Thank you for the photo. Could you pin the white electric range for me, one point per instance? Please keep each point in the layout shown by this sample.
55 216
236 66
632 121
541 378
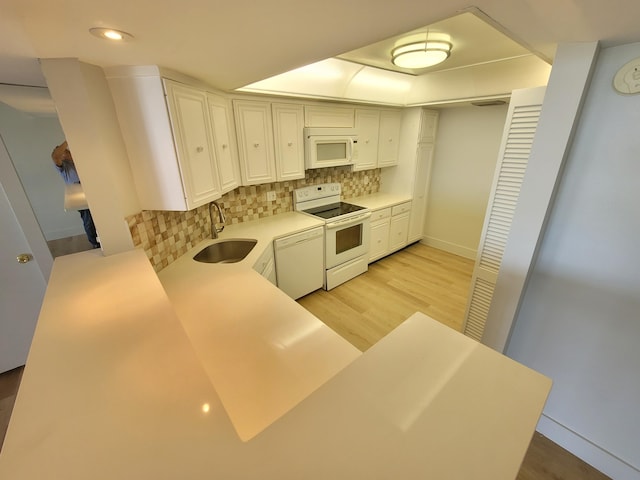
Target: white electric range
346 250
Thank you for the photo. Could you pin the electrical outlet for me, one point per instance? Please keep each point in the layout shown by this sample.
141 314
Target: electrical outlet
271 196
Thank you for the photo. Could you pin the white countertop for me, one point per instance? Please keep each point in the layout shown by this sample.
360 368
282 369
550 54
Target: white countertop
376 201
263 352
118 384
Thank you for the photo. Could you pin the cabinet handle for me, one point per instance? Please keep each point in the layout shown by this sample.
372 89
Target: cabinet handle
224 145
256 145
199 149
290 144
390 140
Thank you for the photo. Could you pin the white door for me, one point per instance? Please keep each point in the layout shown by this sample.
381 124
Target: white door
520 128
22 285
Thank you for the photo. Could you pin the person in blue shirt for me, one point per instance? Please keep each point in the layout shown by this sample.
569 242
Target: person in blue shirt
64 164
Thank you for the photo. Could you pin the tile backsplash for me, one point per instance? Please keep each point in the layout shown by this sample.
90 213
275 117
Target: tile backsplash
165 236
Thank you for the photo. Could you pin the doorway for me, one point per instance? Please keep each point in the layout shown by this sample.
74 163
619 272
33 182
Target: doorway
30 129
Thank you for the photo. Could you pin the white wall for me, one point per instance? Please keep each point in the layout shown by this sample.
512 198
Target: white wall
88 117
579 320
466 152
30 140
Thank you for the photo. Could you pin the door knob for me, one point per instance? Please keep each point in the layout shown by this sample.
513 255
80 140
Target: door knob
24 257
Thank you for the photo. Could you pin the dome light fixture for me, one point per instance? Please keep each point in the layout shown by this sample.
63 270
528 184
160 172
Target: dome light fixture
110 34
421 54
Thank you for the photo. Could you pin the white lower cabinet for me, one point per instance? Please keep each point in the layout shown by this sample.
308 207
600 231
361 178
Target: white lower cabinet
398 231
389 230
379 239
266 265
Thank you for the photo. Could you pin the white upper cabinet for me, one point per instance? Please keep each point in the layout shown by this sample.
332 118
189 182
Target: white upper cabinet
224 141
255 141
189 115
328 116
288 124
367 126
389 137
270 141
168 139
428 126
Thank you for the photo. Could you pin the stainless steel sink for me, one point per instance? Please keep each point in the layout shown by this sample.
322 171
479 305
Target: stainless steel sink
226 251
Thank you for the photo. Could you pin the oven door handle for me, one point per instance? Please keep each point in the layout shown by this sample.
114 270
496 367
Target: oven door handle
348 221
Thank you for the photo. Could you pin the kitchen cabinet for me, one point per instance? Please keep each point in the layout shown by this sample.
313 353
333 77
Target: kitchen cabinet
367 126
167 130
254 129
288 125
389 138
191 131
399 226
328 116
428 126
379 238
270 141
389 230
424 162
266 266
224 141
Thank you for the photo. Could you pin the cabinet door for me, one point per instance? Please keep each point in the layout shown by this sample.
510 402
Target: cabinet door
325 116
224 142
398 231
288 124
255 141
379 241
190 122
428 126
389 138
420 191
367 125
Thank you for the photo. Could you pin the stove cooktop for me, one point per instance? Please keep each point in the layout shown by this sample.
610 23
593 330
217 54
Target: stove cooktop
334 210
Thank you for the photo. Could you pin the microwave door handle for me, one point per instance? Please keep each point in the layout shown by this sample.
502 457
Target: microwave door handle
348 222
350 154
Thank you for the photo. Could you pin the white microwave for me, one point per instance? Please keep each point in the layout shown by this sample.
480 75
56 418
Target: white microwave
329 147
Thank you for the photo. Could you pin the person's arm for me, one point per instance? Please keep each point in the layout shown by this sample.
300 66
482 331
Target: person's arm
60 154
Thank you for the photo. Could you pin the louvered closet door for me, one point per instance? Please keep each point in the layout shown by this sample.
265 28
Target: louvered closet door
520 128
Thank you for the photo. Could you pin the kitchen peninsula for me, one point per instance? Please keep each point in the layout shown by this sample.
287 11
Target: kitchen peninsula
119 384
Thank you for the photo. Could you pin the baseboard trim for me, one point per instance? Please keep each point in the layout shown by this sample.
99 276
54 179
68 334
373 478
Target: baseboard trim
587 451
450 247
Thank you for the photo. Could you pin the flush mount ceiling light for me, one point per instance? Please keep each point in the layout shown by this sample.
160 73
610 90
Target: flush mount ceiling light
110 34
421 54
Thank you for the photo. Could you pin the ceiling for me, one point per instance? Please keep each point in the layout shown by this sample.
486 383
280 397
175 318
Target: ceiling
232 44
474 41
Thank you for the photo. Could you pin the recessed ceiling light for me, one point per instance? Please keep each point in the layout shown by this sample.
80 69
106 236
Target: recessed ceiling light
110 34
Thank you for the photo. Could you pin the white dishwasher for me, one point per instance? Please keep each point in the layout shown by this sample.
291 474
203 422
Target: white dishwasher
300 262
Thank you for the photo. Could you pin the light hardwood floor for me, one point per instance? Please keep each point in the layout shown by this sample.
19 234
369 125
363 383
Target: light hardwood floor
421 278
418 278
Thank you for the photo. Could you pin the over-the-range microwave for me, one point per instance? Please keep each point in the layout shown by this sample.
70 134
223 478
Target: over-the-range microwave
329 147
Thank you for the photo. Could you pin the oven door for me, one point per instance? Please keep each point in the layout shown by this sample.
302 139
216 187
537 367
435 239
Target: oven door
347 239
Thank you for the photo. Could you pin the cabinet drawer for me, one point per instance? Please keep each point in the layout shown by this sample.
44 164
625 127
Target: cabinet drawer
380 214
402 208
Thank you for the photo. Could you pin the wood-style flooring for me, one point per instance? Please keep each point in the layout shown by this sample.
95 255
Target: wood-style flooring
418 278
422 278
68 245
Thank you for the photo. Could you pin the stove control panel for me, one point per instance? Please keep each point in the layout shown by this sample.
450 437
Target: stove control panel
316 192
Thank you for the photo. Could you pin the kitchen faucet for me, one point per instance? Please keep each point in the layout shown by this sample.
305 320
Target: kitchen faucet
214 230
